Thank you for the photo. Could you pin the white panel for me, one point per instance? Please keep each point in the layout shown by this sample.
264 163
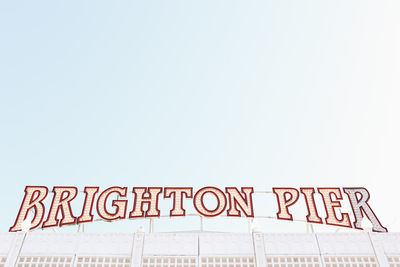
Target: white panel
3 261
169 261
45 261
15 248
290 244
170 244
137 250
6 240
226 244
102 261
345 244
105 244
49 244
293 261
390 242
350 261
227 261
259 250
394 261
379 251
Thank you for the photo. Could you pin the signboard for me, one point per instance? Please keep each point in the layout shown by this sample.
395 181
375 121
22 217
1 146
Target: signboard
232 201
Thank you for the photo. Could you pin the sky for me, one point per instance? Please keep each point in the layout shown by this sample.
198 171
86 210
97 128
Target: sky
200 93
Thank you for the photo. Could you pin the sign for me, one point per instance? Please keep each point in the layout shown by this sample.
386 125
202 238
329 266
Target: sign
231 201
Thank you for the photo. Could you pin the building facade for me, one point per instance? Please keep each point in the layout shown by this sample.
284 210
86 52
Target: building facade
203 249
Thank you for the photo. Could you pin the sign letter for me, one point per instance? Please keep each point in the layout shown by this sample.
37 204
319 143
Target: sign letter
178 194
34 196
360 205
120 205
152 202
312 215
61 202
199 204
284 203
331 205
87 215
236 199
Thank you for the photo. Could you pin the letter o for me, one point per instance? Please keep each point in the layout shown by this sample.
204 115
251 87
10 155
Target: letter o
199 204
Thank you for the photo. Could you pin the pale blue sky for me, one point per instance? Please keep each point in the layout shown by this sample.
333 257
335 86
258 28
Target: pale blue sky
194 93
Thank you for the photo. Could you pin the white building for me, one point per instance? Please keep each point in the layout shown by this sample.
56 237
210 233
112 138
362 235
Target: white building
41 249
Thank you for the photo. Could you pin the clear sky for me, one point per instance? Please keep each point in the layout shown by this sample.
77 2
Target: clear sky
195 93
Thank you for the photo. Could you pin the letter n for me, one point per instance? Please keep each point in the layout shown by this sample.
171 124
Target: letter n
236 199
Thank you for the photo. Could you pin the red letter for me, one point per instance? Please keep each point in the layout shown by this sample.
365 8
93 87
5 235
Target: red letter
152 202
360 205
63 202
330 206
199 204
312 216
284 203
236 199
178 194
86 215
31 201
120 205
